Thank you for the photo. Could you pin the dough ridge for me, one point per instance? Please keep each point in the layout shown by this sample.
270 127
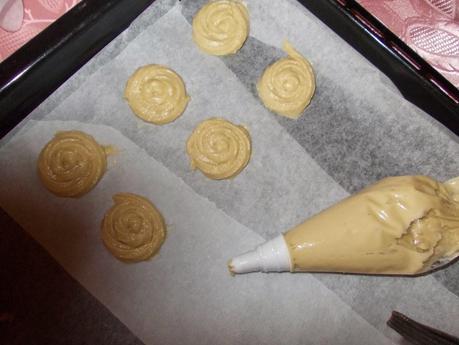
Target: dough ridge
221 27
156 94
71 164
288 85
133 229
219 149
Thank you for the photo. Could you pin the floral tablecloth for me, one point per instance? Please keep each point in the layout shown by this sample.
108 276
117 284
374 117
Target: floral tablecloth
430 27
21 20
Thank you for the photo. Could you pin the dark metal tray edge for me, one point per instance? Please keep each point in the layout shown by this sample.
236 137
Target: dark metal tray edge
58 52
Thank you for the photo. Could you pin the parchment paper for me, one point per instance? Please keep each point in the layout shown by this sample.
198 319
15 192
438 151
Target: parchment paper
357 130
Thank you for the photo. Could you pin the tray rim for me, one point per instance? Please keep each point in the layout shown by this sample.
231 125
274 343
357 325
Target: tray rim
37 69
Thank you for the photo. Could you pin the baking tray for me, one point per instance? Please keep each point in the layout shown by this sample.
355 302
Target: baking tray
347 138
32 73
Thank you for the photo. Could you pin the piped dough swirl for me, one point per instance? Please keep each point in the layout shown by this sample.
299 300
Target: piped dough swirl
156 94
287 86
133 229
71 164
219 149
221 27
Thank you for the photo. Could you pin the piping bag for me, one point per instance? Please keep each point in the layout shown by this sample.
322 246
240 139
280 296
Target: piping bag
404 225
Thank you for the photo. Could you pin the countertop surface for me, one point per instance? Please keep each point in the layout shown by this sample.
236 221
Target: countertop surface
41 304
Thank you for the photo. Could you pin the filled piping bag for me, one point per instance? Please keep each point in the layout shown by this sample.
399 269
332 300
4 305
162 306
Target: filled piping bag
403 225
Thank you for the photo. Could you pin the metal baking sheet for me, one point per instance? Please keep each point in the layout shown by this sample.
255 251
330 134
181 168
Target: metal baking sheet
358 129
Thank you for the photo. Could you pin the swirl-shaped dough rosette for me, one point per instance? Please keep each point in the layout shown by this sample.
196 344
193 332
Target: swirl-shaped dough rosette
133 229
156 94
221 27
219 148
287 86
71 164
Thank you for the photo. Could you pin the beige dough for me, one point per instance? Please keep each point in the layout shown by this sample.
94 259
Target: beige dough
156 94
221 27
402 225
71 164
219 148
133 229
399 225
287 86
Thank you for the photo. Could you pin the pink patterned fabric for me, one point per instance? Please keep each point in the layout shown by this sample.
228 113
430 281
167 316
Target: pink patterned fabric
21 20
430 27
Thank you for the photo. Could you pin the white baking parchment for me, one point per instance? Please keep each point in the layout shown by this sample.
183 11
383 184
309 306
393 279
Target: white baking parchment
357 130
